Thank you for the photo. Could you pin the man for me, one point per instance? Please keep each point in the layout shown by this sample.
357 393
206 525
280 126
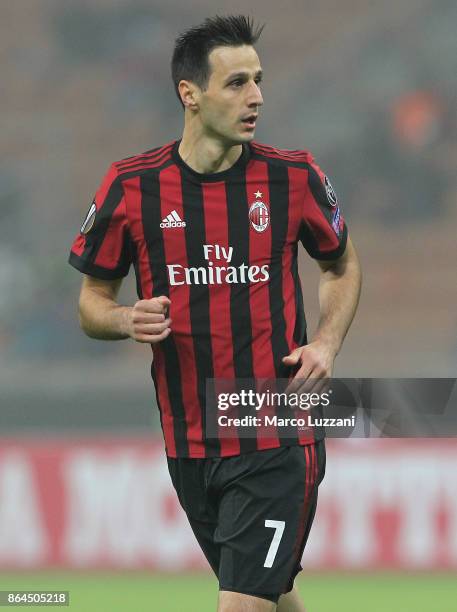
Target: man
211 224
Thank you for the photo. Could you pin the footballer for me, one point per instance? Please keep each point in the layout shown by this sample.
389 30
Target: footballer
211 223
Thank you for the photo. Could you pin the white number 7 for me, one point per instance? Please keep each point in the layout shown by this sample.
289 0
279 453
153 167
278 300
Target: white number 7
278 526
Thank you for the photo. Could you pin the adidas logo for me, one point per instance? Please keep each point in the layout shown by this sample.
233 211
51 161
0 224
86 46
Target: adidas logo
173 220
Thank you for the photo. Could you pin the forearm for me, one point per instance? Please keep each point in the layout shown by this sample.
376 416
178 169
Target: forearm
339 292
102 318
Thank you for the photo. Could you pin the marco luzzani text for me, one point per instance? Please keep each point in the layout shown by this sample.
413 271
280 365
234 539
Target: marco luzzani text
263 403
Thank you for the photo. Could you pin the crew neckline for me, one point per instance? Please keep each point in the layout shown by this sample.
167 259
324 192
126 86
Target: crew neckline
211 177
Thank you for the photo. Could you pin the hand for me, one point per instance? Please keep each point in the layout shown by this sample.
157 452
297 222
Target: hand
148 322
316 366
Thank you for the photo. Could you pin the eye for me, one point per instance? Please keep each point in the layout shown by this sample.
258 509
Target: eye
237 83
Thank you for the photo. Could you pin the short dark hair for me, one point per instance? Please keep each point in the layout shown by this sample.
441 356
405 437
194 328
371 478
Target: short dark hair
192 47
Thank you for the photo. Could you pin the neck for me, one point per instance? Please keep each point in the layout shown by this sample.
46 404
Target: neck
206 154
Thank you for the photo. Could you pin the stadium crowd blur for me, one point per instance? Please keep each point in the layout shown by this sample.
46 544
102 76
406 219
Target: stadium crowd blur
369 88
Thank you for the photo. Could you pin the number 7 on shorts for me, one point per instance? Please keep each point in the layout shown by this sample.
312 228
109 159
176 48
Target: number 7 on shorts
278 526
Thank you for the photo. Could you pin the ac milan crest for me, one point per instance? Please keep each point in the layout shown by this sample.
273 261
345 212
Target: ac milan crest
259 216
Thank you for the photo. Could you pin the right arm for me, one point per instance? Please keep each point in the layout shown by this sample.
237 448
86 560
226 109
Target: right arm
103 318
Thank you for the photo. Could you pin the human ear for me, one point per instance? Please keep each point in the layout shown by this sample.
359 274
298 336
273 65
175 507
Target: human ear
189 94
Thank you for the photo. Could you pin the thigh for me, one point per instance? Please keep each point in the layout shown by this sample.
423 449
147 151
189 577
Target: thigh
230 601
266 506
190 482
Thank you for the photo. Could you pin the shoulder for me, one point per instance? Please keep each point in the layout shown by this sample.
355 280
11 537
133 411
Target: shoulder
288 157
136 165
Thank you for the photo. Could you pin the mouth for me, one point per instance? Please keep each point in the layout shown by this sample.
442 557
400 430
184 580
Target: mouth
250 120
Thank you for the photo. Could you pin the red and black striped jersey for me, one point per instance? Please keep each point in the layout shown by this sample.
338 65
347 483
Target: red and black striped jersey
223 248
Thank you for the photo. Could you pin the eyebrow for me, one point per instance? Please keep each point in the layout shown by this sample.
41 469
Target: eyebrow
242 75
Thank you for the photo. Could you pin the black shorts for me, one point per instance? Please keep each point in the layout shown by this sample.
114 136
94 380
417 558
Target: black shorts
252 513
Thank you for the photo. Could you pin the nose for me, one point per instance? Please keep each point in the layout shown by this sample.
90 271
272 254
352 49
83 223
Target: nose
255 95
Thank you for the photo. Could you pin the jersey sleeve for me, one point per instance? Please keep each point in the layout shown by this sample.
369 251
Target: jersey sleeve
103 246
323 231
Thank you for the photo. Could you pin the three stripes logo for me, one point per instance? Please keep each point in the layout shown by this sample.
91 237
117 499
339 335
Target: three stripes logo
173 220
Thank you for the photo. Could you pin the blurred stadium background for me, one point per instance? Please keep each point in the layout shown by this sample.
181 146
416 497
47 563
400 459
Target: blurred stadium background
85 502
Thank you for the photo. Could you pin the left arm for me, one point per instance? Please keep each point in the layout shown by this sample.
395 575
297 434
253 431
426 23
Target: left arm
339 292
